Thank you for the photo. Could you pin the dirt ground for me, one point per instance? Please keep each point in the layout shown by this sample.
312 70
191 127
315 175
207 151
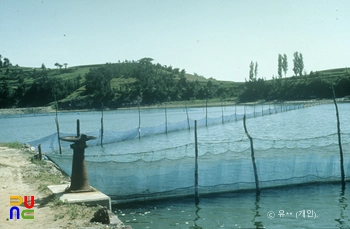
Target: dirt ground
20 176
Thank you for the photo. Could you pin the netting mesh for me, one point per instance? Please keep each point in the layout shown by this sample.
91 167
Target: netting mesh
50 143
168 170
224 166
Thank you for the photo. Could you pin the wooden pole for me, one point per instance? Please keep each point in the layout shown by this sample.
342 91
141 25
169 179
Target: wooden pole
102 126
166 121
40 154
196 195
222 113
188 119
206 112
139 122
236 112
253 157
58 131
339 142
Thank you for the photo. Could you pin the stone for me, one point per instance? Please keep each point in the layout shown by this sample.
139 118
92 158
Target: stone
101 216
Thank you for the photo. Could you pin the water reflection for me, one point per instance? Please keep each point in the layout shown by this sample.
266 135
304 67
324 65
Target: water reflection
257 224
343 203
246 209
195 226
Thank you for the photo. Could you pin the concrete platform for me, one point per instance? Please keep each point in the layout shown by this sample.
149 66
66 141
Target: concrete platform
89 198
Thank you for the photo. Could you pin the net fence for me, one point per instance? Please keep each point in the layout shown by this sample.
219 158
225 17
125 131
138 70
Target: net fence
106 136
224 165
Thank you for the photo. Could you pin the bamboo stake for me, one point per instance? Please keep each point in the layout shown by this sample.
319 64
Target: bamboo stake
40 154
236 112
102 127
166 121
139 122
222 113
58 131
253 157
196 195
339 142
188 119
206 112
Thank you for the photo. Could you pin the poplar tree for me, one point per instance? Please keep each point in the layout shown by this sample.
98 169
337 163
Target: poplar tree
295 63
256 70
251 72
298 62
279 67
285 64
301 64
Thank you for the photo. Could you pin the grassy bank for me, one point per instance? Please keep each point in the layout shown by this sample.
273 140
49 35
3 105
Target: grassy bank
12 145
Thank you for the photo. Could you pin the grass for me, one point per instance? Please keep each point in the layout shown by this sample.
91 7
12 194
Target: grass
13 145
200 103
117 82
73 211
44 173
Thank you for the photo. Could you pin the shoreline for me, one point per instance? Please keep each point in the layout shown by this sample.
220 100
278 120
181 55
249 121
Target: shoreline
50 110
23 174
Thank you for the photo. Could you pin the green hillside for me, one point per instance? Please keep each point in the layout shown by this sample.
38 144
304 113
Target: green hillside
113 84
130 83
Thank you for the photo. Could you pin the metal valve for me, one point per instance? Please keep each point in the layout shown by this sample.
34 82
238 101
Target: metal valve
79 177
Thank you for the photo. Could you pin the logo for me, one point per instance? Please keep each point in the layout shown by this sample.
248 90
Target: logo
16 201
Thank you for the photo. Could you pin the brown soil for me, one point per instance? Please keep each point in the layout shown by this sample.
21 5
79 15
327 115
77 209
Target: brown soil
20 176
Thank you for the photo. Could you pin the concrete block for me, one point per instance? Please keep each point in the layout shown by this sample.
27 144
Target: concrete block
89 198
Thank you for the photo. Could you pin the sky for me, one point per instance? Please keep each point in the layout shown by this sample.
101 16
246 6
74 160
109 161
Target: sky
213 38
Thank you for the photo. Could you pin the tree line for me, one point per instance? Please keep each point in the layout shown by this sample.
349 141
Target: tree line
147 84
127 83
298 87
33 87
130 83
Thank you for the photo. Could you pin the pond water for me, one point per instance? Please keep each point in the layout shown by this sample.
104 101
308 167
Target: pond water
308 206
303 206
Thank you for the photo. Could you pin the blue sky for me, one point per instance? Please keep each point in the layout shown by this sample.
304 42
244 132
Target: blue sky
212 38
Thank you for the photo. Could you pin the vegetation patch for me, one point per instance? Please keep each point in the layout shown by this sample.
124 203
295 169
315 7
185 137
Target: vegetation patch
13 145
41 173
133 83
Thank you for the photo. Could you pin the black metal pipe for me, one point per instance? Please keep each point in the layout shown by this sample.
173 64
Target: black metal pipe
79 177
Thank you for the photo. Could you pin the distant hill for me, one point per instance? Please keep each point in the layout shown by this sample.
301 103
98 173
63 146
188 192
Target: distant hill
130 83
113 84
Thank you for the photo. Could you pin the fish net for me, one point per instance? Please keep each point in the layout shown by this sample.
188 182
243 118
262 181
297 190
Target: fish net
127 171
223 166
50 143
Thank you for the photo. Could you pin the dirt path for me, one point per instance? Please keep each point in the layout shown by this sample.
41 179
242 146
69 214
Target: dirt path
19 176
